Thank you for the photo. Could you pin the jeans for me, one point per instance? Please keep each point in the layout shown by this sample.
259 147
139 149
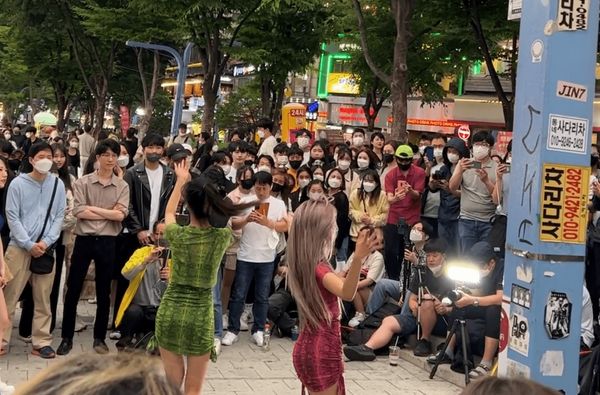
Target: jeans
342 252
280 304
393 248
138 320
383 289
262 274
217 305
448 230
471 232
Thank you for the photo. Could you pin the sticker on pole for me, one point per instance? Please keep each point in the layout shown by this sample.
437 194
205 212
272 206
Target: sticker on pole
519 334
563 212
573 15
567 134
557 316
571 91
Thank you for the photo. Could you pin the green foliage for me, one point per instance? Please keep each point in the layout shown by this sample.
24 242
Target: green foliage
242 107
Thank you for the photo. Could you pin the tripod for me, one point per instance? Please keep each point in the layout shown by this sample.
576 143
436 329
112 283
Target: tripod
461 323
420 292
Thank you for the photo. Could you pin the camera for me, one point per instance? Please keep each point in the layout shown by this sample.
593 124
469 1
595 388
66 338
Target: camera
437 176
453 296
404 231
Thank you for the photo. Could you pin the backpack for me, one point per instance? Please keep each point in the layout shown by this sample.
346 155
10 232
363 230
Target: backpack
362 333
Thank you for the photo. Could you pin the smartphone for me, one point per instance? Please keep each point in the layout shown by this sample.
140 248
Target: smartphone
429 153
475 165
164 257
262 208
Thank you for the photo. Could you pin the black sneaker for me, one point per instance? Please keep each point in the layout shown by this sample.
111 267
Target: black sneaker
359 353
423 348
66 345
100 346
433 357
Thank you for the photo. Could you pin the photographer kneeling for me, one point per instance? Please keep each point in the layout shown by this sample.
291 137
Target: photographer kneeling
434 284
483 301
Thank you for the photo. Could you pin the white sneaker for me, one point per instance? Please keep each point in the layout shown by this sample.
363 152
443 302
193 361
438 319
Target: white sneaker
217 345
115 335
92 301
225 321
6 389
258 338
229 339
358 318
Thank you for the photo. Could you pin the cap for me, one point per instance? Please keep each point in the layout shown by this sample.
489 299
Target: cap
177 151
187 147
481 253
404 151
436 245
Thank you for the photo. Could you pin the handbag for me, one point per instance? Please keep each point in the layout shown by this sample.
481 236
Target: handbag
45 263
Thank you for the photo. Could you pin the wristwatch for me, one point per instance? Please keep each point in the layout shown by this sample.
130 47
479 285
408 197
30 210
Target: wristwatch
476 302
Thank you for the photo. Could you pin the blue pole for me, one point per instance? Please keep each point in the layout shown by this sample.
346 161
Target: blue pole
546 232
182 64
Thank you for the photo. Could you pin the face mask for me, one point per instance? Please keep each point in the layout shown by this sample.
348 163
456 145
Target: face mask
362 163
303 182
438 152
315 195
247 184
480 152
43 166
404 166
123 160
248 162
162 242
436 270
74 144
422 149
277 187
358 141
388 158
7 136
344 164
319 177
303 142
226 169
215 148
282 160
261 134
295 164
369 186
153 158
453 158
264 168
415 236
334 182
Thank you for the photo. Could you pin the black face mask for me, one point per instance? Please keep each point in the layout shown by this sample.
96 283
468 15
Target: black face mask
388 158
403 166
295 164
277 187
248 162
247 184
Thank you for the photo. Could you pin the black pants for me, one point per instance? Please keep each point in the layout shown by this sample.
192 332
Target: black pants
280 304
393 251
138 319
490 314
592 276
433 222
101 249
126 245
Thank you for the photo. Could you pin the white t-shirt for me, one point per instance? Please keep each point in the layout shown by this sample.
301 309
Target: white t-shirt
259 243
267 146
155 180
372 268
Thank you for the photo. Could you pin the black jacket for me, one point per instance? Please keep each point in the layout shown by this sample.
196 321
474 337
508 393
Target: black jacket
136 177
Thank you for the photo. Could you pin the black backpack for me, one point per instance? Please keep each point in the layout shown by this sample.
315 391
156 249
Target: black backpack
362 333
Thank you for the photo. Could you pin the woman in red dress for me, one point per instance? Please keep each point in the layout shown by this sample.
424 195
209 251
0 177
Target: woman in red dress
316 288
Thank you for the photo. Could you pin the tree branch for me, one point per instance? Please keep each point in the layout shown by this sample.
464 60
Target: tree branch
140 66
243 20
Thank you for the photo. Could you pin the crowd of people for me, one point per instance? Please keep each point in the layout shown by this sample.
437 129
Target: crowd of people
194 241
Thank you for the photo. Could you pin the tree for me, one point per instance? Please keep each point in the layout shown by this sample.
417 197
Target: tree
242 108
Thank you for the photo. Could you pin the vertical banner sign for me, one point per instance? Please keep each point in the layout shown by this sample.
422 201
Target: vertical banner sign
514 9
547 206
124 111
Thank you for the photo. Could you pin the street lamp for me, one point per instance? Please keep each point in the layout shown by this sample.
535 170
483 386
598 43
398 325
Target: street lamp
182 64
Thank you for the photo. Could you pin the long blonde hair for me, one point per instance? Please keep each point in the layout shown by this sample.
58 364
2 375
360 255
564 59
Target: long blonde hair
311 240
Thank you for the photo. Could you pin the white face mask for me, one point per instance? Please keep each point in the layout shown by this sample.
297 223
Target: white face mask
438 152
261 134
416 236
282 160
358 141
369 186
74 144
315 195
303 142
43 166
264 168
453 158
226 169
303 182
344 164
319 177
436 270
480 152
215 148
335 182
422 149
362 163
123 160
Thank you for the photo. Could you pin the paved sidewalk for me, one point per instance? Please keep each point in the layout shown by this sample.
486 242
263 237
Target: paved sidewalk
245 369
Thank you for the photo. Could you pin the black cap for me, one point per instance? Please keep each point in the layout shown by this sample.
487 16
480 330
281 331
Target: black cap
436 245
177 152
481 253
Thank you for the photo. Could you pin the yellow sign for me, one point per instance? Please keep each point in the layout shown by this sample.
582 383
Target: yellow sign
343 83
293 118
563 213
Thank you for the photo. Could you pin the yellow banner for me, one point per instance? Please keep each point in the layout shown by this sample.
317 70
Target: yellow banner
564 195
342 83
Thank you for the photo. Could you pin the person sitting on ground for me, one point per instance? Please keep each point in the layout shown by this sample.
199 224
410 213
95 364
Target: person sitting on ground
281 304
148 275
435 286
482 301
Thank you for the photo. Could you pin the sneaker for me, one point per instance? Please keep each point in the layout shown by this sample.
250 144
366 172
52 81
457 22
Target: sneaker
80 326
359 353
217 345
45 352
92 301
114 335
423 348
66 345
258 337
479 372
25 339
100 346
358 318
229 339
6 389
433 357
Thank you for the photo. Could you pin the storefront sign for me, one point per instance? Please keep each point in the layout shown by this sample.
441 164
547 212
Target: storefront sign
464 132
342 83
433 122
567 134
573 15
514 9
563 216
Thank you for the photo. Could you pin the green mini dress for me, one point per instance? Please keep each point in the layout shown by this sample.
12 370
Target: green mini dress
185 318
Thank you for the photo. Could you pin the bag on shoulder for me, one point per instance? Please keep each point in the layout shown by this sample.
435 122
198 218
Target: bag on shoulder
45 264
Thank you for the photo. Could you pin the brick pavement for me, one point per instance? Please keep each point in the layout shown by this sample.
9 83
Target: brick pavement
245 369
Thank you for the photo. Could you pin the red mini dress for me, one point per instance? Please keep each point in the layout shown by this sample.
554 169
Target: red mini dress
317 353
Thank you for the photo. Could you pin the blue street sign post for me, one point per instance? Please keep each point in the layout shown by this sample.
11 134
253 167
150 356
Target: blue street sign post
182 66
549 182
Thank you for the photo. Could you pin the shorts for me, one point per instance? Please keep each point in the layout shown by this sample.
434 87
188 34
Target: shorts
408 325
230 261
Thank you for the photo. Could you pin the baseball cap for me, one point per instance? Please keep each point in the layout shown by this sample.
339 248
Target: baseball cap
436 245
177 152
404 151
481 253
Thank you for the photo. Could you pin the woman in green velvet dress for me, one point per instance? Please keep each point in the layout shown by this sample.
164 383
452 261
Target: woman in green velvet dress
185 322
